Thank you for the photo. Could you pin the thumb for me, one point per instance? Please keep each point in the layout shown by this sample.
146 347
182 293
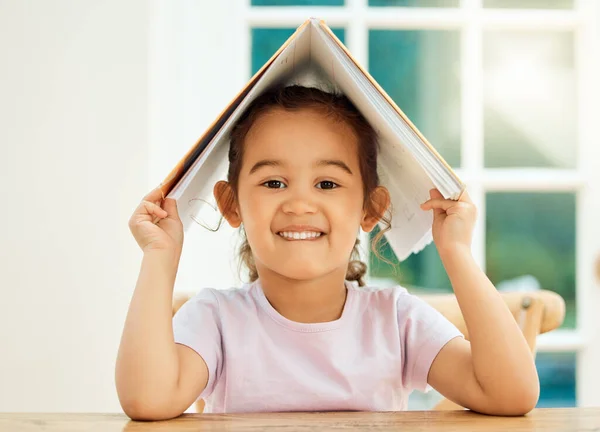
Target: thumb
435 194
170 205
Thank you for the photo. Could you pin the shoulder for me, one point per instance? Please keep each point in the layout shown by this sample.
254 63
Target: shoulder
375 301
223 299
372 293
403 302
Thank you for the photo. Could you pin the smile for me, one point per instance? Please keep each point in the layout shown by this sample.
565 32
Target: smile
304 235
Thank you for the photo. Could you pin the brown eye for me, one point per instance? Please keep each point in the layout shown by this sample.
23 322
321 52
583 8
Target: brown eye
274 184
326 184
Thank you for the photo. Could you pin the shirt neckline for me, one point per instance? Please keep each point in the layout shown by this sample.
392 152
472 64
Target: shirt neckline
304 327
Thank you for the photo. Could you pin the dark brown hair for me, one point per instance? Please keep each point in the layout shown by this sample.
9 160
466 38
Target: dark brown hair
336 107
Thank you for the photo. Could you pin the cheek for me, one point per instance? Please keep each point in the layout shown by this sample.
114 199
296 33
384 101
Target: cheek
348 209
345 217
256 212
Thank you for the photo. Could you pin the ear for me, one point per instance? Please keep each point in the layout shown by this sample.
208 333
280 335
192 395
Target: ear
225 197
380 200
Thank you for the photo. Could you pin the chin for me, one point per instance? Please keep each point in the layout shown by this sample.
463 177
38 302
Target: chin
300 267
301 274
303 271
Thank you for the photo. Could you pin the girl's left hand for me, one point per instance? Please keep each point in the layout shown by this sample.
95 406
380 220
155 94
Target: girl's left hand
453 221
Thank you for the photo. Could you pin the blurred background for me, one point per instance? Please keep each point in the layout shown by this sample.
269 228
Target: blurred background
99 100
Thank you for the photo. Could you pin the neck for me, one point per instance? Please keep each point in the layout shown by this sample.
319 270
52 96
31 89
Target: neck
305 301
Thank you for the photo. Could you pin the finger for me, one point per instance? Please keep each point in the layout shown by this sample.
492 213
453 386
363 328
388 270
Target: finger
151 209
435 194
154 195
170 205
465 197
438 204
448 207
147 211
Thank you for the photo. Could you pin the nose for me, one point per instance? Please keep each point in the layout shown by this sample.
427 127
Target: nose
299 202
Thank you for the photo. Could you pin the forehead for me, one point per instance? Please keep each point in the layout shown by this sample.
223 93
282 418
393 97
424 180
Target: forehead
300 137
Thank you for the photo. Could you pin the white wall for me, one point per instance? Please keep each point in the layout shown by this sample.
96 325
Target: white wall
188 92
92 115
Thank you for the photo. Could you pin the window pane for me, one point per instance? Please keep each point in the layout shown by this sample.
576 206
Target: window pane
528 4
297 2
557 379
530 243
415 3
265 41
419 273
529 99
420 70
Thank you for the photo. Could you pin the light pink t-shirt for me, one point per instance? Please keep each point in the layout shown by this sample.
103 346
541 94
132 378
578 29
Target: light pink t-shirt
370 359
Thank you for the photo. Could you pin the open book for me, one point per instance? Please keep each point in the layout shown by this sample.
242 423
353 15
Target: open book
313 56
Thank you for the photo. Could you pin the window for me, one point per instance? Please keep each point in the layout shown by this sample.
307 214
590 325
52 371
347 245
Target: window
265 41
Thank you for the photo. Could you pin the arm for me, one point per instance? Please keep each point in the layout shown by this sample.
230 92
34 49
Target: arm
156 378
495 372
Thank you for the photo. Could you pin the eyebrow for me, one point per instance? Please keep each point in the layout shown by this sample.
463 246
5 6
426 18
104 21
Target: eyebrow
277 163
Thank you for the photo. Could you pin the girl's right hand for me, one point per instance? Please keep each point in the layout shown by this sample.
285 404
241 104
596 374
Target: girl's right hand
164 234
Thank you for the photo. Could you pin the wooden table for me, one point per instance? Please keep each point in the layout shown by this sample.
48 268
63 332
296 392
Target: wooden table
564 419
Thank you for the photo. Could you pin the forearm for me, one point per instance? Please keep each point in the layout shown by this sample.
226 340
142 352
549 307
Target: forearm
147 363
502 362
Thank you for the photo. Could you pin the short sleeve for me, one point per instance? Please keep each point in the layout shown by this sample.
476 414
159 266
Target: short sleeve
423 331
196 325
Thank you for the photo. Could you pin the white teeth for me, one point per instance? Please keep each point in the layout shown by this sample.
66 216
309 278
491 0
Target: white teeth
300 235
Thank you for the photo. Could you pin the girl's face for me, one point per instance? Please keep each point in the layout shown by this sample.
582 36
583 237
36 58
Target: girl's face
300 193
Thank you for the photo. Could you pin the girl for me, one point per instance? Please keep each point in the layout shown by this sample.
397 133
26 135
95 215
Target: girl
305 334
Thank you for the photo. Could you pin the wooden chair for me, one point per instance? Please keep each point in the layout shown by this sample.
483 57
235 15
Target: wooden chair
536 312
